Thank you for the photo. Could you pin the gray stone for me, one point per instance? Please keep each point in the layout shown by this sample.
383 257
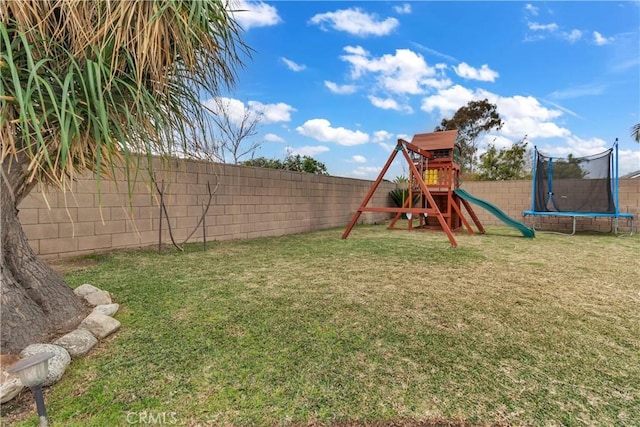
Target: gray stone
10 384
84 290
77 343
98 298
107 309
100 325
57 364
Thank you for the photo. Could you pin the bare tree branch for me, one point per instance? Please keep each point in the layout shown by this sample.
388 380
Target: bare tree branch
235 130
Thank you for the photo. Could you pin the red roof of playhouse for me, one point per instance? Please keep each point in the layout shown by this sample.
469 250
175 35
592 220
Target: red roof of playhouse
436 140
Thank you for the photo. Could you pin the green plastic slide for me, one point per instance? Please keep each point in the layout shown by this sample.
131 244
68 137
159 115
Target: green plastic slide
526 231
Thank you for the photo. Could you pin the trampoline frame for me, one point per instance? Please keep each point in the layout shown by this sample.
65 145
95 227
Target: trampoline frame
614 216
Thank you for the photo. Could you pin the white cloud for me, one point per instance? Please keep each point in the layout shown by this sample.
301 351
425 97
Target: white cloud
272 137
573 36
580 147
355 21
601 40
308 150
404 72
388 141
435 52
524 115
534 26
575 146
236 110
340 89
321 130
231 107
356 50
381 136
519 106
531 9
517 127
578 91
497 141
366 171
484 73
447 101
389 104
273 113
629 161
542 31
521 115
251 14
586 147
359 159
405 8
293 66
437 83
386 146
625 65
561 108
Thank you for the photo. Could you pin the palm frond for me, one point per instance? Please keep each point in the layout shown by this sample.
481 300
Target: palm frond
635 132
84 84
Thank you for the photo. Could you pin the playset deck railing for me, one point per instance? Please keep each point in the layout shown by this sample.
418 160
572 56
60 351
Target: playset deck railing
442 176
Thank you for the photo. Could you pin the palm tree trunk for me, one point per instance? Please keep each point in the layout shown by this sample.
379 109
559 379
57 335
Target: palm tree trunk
35 301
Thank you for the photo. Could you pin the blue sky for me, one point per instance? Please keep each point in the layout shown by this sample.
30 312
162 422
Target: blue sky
341 81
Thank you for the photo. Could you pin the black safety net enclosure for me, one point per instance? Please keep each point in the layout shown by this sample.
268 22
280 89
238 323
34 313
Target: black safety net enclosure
574 184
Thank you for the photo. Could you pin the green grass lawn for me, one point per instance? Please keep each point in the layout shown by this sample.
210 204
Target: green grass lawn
385 325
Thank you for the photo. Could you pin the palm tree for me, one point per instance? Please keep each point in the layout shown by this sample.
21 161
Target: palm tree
88 85
635 132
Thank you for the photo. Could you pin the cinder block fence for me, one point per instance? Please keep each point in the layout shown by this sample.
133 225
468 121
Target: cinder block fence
245 203
514 197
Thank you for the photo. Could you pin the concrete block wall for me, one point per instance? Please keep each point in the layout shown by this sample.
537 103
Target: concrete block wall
514 197
246 203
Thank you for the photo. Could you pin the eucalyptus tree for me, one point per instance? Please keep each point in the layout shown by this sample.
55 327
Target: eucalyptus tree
94 86
471 121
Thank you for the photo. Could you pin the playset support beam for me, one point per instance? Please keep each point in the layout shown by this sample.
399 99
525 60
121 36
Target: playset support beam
431 209
372 190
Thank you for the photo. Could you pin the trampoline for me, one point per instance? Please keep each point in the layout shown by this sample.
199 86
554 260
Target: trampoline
577 187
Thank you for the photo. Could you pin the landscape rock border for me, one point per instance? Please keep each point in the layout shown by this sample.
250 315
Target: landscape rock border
98 325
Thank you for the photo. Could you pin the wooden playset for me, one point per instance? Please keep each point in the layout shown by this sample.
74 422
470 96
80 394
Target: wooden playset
434 198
